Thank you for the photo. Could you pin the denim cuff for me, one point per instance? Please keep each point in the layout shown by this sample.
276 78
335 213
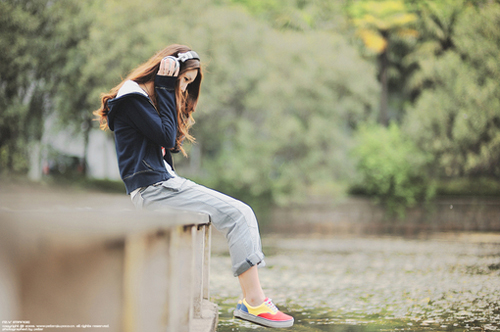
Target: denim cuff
254 259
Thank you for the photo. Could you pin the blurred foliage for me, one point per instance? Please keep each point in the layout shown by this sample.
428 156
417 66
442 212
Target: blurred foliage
469 186
36 39
456 115
285 115
380 24
18 71
376 20
290 88
392 168
298 15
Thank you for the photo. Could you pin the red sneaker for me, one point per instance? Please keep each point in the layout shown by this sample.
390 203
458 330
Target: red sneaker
266 314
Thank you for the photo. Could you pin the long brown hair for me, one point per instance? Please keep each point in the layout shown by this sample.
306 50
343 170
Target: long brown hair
186 101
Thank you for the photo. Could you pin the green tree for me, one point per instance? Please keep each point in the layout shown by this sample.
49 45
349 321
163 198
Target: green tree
436 25
20 23
378 24
456 115
36 37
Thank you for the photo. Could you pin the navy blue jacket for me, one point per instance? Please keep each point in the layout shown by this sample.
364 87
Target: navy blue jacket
141 131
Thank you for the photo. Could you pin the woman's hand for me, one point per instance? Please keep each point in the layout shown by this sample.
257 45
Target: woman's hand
169 67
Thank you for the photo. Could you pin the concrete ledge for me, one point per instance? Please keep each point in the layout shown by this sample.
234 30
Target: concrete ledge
74 226
131 270
208 321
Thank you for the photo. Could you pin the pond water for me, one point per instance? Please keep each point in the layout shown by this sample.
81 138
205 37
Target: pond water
358 284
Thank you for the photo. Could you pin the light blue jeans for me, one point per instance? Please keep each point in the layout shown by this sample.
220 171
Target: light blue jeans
230 216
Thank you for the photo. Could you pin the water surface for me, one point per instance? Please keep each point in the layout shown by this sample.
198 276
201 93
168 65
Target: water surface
358 284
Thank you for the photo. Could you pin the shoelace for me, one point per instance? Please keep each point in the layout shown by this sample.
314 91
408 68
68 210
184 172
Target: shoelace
269 303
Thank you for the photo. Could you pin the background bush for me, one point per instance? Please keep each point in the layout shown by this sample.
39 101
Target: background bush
391 168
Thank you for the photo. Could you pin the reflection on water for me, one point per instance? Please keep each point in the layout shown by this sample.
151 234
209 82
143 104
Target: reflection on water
315 320
321 320
447 283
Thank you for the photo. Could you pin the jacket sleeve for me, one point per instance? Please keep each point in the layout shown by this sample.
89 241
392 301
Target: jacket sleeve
158 126
165 92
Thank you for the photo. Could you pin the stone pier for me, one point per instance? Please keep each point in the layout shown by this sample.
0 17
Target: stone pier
108 268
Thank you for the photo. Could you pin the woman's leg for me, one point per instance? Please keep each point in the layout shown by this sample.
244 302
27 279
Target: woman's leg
250 286
237 221
232 217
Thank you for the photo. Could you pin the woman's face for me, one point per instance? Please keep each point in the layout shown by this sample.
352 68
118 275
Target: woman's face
186 78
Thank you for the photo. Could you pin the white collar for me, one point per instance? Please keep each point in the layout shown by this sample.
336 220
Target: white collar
130 87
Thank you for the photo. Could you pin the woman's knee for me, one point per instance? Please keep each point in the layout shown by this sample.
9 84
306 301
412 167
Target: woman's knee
248 214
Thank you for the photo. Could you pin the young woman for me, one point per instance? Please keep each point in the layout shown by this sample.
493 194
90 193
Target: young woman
150 113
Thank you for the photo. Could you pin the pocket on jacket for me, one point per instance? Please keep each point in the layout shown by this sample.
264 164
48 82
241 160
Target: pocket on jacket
148 166
174 184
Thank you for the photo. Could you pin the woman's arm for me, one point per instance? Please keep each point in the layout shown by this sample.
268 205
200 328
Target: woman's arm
165 97
165 82
159 126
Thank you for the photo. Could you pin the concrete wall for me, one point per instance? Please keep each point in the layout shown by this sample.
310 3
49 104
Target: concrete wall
361 215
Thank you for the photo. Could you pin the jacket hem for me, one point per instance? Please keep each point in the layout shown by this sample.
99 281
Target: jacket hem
144 179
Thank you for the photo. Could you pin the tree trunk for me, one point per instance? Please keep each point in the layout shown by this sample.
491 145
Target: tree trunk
383 63
87 127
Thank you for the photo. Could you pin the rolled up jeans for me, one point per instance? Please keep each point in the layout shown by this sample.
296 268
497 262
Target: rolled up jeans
233 218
